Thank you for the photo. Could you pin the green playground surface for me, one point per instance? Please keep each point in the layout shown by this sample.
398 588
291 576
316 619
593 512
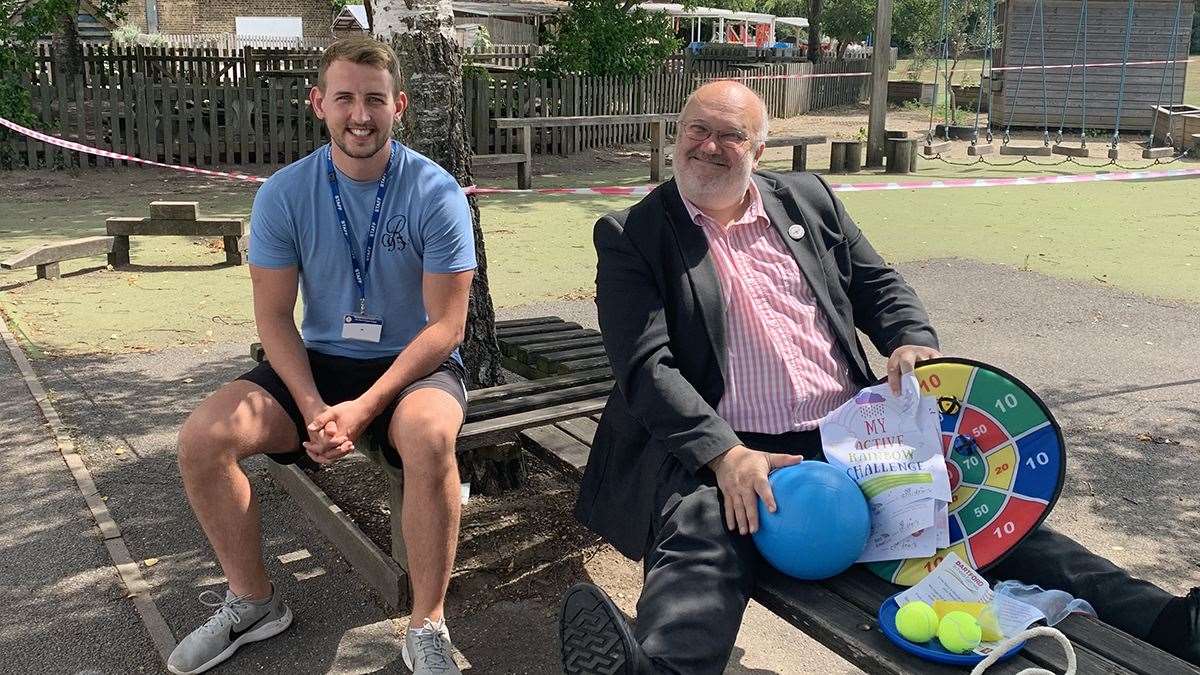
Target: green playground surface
1139 237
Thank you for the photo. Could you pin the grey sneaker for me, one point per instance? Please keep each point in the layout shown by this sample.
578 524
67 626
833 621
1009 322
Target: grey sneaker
235 623
427 650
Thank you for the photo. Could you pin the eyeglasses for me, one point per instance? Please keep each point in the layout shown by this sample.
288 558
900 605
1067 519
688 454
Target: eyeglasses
732 139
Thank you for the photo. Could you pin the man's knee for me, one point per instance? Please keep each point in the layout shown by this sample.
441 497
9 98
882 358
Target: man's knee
232 424
425 437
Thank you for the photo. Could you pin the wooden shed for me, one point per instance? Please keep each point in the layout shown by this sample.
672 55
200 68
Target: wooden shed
1020 25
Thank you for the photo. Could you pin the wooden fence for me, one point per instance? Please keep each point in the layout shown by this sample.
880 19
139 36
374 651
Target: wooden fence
103 64
267 120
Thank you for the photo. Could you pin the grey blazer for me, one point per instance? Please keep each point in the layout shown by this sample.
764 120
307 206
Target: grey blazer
663 320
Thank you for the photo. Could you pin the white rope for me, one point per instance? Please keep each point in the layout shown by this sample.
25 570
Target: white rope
1039 631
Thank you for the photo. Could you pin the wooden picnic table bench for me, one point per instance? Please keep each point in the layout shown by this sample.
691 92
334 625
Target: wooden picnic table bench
495 415
45 257
178 219
841 612
524 128
166 219
799 146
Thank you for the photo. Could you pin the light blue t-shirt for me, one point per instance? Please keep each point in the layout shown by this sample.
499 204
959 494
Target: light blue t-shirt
424 226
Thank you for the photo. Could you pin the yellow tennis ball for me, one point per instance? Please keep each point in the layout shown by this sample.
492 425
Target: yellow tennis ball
917 622
959 632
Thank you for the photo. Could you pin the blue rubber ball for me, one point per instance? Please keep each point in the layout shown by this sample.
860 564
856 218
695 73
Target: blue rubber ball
820 525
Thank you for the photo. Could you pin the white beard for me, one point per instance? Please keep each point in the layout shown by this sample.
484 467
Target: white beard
718 191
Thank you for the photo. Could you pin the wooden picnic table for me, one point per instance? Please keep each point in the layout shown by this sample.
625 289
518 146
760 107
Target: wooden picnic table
840 613
525 125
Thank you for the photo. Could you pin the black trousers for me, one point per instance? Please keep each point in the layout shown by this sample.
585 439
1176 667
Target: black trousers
699 575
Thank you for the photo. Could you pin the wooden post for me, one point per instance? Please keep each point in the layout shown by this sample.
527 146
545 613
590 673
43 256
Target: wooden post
837 157
120 252
899 155
235 248
853 160
47 271
525 168
658 153
800 157
881 57
399 548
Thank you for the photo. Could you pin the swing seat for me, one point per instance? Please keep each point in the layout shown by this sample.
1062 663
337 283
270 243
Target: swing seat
1114 153
1157 153
1071 150
1026 150
979 150
930 149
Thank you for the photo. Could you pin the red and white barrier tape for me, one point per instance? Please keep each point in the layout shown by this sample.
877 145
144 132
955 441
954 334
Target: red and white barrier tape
797 76
640 190
87 149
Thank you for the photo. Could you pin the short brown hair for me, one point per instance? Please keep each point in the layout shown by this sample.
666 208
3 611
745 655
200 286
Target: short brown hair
364 50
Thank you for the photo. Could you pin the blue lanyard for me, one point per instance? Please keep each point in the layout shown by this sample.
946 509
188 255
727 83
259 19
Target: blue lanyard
360 271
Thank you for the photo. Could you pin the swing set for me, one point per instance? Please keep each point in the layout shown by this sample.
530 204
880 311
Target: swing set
1071 151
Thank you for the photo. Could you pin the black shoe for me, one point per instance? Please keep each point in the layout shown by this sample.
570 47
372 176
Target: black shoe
594 636
1177 629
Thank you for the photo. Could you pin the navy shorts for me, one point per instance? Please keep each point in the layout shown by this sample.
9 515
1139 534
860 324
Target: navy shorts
341 378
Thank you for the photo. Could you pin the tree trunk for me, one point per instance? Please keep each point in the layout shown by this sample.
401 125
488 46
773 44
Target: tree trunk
68 52
422 32
814 29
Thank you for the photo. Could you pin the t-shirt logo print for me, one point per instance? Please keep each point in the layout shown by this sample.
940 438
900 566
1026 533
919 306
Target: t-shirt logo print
393 239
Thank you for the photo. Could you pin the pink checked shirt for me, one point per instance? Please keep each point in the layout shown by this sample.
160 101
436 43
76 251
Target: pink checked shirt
785 371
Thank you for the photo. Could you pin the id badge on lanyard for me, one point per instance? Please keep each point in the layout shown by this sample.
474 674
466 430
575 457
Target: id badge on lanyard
359 325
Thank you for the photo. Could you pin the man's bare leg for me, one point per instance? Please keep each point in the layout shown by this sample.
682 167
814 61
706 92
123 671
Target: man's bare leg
235 422
423 430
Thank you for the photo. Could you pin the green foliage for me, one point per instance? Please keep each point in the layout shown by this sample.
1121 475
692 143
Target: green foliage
22 24
848 20
966 31
911 18
607 38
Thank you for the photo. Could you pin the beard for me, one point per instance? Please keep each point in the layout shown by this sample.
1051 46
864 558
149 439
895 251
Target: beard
713 189
367 146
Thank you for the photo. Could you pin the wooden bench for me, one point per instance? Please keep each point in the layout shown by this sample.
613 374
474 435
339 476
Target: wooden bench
841 612
45 257
495 415
523 160
799 146
177 219
524 128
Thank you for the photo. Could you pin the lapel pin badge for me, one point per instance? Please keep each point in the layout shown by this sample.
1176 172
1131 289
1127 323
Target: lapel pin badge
796 232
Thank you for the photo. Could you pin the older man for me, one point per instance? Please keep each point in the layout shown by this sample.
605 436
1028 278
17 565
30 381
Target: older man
729 299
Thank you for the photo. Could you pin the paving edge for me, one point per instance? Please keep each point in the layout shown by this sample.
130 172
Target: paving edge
114 542
379 571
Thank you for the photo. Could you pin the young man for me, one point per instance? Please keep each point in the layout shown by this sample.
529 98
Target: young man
379 240
730 301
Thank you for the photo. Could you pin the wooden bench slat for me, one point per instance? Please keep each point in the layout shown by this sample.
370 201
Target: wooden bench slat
518 343
557 448
789 141
514 404
536 330
548 360
583 364
503 391
53 252
581 120
531 321
1121 647
839 625
505 158
490 432
204 227
581 428
868 591
537 348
